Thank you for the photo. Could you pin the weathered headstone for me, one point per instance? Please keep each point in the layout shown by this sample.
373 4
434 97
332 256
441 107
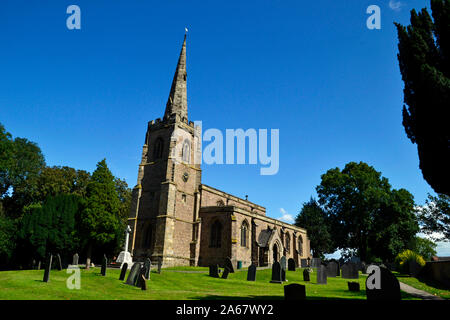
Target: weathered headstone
141 278
291 264
134 274
276 273
48 267
295 292
225 273
229 265
147 268
350 271
381 284
251 273
159 265
306 276
322 274
353 286
214 270
104 264
316 262
123 271
333 269
283 268
75 259
304 263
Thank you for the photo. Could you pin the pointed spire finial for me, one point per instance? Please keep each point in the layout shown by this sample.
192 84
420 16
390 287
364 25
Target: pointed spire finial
177 101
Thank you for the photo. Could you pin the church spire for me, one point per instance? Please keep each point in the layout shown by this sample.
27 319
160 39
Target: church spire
177 102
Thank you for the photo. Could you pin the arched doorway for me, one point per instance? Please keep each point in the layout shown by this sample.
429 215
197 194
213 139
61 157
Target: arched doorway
275 252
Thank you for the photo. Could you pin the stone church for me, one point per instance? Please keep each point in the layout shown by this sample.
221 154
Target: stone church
176 218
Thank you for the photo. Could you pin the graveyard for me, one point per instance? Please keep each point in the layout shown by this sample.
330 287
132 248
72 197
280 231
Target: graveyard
178 283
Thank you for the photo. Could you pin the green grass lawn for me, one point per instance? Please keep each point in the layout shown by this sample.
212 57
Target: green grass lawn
168 285
425 285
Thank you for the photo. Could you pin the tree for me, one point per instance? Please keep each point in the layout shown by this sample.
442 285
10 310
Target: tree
364 212
314 219
424 247
100 219
424 59
124 194
8 231
434 217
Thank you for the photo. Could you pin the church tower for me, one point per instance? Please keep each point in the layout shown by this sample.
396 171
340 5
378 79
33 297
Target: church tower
165 202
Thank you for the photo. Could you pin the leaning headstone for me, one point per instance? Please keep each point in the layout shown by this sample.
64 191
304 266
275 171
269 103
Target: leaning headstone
304 263
143 283
48 267
75 259
306 276
291 264
147 268
141 278
316 262
123 271
251 273
104 263
134 274
353 286
214 271
229 265
350 271
322 274
381 284
294 292
225 273
332 269
283 268
276 273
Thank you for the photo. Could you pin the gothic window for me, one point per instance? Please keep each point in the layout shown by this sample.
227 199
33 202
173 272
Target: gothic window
288 243
159 146
300 245
244 234
186 151
216 235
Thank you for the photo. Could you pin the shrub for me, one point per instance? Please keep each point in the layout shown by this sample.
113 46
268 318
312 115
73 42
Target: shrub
403 258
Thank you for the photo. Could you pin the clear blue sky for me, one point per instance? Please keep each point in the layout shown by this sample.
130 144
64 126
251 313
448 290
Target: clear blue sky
310 69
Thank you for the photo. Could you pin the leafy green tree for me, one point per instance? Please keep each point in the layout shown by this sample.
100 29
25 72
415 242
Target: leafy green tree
6 156
364 212
8 232
50 228
434 217
100 220
424 59
124 194
424 247
314 219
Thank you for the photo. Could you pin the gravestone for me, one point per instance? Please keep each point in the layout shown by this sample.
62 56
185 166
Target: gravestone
294 292
143 283
75 259
134 274
141 278
304 263
381 284
283 268
225 273
159 265
350 271
316 262
48 267
353 286
147 268
333 269
229 265
251 273
104 263
123 271
306 276
322 274
291 264
276 273
214 270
